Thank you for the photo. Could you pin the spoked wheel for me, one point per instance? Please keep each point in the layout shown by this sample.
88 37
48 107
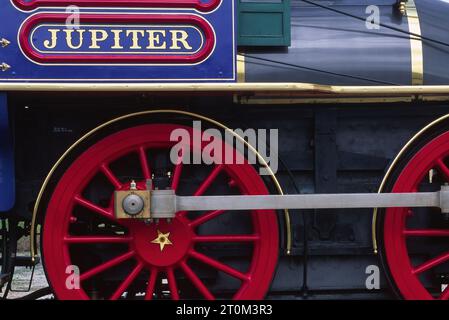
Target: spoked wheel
414 243
211 255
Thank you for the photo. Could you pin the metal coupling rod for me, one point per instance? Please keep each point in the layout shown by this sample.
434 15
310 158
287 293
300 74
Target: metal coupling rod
166 205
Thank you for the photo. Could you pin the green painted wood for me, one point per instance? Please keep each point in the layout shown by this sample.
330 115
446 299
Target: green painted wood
264 23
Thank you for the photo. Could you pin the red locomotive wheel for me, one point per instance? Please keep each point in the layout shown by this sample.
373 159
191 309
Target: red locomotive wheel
405 229
129 258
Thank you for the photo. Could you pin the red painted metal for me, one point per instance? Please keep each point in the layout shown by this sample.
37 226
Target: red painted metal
227 238
445 294
220 266
176 176
172 284
431 263
174 258
93 207
127 282
97 239
197 282
404 273
426 233
204 6
129 19
107 265
111 177
144 163
206 217
151 284
208 181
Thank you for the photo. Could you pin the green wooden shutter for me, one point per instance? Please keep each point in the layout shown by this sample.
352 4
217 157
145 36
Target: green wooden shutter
264 23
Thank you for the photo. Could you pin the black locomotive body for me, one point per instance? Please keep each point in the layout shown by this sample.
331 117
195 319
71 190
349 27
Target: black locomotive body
329 142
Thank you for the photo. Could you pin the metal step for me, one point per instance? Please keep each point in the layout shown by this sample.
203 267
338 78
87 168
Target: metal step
4 278
24 261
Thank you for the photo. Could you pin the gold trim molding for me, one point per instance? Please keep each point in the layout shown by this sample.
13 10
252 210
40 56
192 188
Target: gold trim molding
241 68
256 100
416 46
280 88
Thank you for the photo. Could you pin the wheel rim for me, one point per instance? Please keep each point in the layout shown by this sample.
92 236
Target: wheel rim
401 231
167 251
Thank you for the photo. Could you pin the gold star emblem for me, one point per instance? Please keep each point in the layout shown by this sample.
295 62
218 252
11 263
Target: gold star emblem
162 239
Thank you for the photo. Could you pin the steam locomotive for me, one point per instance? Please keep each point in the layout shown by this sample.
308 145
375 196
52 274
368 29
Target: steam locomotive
92 92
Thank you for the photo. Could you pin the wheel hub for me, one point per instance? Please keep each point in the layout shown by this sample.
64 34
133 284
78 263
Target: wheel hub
163 244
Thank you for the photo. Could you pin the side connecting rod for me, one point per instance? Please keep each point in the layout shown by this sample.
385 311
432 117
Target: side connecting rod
165 205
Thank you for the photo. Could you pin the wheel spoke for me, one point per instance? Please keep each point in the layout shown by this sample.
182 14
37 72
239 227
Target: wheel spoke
196 281
426 233
93 207
151 284
205 184
208 181
110 175
96 239
227 238
144 163
176 176
431 263
205 217
218 265
127 282
443 169
172 284
107 265
445 294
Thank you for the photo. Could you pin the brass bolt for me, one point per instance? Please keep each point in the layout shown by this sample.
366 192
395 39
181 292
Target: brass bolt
431 174
4 42
402 7
4 66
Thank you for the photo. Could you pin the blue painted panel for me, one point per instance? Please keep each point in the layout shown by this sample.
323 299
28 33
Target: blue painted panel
7 183
118 44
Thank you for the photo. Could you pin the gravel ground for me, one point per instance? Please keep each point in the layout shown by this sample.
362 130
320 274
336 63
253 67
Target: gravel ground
22 277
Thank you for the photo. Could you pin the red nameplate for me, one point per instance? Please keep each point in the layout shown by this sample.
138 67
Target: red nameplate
58 19
204 6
